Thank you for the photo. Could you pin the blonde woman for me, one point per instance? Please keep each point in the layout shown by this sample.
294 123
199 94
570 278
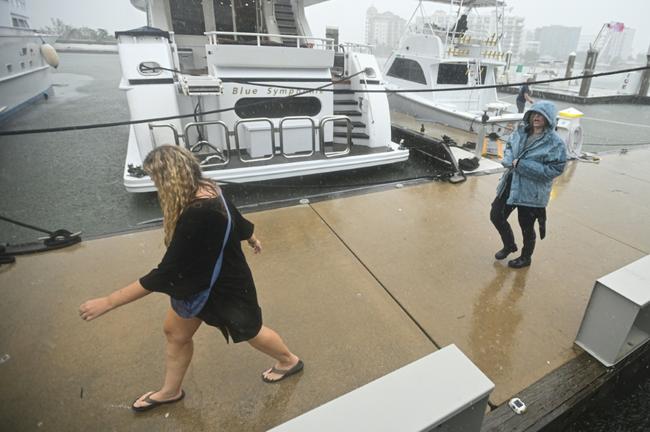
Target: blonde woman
204 271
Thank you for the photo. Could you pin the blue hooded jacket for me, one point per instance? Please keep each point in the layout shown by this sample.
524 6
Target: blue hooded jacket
539 163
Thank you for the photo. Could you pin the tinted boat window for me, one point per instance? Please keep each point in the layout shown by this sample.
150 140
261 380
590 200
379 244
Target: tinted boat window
247 20
277 107
223 17
452 73
406 69
187 17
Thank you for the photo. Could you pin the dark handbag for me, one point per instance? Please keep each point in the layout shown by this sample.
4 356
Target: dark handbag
191 306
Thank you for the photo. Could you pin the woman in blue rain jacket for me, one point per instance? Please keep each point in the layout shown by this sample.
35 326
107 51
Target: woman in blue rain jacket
535 154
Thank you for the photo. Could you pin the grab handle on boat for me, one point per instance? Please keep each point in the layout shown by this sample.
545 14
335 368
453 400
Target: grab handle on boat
313 137
321 133
153 126
223 155
238 146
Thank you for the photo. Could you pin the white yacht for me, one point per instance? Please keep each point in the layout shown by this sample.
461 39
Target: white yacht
245 86
452 56
25 58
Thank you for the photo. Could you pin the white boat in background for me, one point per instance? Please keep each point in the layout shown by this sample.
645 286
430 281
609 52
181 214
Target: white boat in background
434 57
26 57
233 68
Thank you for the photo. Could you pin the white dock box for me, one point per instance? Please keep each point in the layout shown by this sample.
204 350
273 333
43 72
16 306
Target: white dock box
255 137
617 319
443 389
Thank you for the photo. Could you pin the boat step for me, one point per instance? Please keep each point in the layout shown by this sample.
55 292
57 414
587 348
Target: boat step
356 135
348 113
288 20
346 102
344 124
284 15
283 7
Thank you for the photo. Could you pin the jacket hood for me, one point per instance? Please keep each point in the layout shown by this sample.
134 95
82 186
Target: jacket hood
545 108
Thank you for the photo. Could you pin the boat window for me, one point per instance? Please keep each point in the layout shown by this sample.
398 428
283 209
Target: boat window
223 17
277 107
247 19
406 69
19 22
187 17
452 73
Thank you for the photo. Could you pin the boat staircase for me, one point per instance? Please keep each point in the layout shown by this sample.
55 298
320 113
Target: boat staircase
286 21
345 104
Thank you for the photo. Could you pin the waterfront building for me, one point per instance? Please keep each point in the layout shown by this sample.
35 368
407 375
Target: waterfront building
557 41
383 30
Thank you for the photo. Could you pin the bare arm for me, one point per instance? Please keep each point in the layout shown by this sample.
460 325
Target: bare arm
254 243
528 98
97 307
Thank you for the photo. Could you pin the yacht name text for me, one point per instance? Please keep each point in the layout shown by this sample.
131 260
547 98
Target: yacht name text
269 91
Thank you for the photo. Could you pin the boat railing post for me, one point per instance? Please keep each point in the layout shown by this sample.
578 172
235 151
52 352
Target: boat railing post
313 137
224 156
321 133
153 126
478 151
238 144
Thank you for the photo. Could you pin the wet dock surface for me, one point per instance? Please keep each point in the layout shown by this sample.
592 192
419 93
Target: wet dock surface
358 286
356 300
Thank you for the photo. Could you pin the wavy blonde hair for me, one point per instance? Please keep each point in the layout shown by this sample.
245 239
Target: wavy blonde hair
177 176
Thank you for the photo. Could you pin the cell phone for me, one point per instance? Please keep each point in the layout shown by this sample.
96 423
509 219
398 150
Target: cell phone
517 405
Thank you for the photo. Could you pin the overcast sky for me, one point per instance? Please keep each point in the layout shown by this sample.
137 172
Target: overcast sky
349 15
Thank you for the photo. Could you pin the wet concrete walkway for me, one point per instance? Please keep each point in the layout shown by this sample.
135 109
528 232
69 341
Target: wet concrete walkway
357 286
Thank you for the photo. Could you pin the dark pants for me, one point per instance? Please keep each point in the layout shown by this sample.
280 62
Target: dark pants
521 105
526 216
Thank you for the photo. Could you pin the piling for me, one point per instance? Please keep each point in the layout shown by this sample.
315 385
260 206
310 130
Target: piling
645 78
590 67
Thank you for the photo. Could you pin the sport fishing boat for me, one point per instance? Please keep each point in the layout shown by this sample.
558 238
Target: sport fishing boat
26 57
245 86
448 55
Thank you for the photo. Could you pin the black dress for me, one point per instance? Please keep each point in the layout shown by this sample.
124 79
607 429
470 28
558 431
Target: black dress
189 261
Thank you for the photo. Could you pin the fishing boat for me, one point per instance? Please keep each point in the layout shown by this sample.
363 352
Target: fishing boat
247 88
26 59
452 55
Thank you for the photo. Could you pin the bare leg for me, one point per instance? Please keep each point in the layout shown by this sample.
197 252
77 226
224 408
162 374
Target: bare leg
179 350
270 343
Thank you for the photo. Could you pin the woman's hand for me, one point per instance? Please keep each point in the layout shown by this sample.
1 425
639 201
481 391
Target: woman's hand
94 308
255 244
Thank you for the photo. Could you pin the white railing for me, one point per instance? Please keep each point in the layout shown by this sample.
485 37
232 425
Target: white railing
301 41
357 47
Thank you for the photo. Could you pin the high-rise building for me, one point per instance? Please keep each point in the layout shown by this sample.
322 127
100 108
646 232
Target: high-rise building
557 42
383 30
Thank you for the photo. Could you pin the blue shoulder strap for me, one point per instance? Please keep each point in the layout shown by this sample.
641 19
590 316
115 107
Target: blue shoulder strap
191 306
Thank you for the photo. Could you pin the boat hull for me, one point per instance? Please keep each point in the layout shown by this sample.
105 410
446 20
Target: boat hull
268 172
26 77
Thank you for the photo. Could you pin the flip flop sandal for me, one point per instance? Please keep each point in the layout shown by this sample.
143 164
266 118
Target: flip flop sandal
284 373
154 403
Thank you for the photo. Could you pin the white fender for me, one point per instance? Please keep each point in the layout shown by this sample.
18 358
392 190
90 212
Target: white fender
50 55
